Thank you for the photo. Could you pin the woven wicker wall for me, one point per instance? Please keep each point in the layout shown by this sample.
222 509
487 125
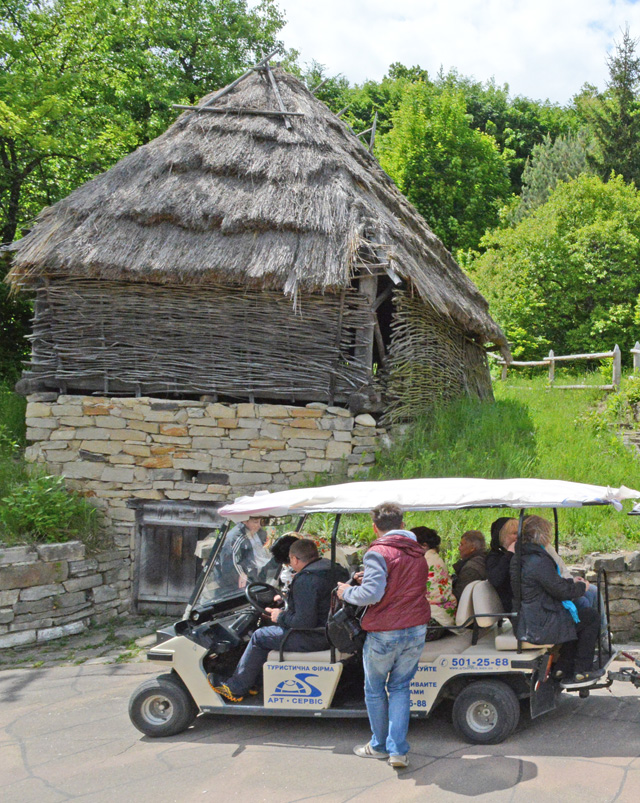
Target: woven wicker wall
430 360
149 339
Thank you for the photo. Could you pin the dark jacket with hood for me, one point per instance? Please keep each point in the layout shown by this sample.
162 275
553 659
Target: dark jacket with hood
468 570
542 618
309 599
498 566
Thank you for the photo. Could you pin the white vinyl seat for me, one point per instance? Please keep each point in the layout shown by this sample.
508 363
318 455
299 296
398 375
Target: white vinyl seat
465 605
451 644
486 601
506 640
318 657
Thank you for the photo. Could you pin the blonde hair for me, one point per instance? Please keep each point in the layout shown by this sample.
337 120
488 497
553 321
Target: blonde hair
536 530
503 532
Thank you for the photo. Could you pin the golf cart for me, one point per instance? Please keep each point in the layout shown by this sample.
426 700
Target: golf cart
481 666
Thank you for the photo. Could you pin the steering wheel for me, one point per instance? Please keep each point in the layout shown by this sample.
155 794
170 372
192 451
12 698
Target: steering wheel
261 596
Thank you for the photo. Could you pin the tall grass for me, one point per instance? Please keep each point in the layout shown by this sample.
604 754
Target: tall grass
33 505
530 431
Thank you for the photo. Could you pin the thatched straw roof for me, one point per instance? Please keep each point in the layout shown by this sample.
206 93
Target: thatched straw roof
241 199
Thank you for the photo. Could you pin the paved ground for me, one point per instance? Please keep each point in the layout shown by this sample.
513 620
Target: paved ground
119 641
65 735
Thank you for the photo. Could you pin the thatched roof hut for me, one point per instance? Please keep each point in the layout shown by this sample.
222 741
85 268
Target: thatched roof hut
174 272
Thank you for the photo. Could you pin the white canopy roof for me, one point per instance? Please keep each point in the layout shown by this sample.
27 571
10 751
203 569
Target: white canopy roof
427 494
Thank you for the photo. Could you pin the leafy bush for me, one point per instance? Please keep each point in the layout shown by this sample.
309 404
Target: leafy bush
42 509
565 277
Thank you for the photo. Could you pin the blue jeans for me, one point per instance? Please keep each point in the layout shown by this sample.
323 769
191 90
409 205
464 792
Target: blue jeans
262 641
390 661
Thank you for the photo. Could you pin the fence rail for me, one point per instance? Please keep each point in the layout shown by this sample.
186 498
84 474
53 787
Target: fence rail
552 359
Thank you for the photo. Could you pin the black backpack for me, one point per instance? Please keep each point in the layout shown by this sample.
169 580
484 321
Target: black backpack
344 630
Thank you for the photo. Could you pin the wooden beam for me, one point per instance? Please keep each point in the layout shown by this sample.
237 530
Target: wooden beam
276 92
365 335
373 132
235 83
382 352
382 298
321 84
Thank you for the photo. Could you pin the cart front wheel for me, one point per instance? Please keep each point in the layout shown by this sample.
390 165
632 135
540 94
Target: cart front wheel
162 707
486 712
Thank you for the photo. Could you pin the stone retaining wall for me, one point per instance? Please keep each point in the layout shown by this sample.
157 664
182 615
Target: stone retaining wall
115 449
53 590
623 576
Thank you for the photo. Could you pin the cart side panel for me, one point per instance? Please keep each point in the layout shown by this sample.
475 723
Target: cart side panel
309 686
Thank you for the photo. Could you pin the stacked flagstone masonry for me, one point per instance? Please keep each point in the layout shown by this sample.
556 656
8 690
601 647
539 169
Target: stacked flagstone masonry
116 449
53 590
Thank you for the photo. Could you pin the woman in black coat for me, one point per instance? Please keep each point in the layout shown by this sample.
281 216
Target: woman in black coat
543 619
504 532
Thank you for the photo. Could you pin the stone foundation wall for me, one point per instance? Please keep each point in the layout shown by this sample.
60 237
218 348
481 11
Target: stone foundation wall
53 590
623 576
115 449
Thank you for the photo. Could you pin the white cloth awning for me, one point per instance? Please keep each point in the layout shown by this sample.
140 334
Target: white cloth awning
450 493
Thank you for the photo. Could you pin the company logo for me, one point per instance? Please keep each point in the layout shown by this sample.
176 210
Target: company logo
297 690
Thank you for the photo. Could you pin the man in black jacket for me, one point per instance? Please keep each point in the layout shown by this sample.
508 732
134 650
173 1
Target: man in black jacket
543 619
308 604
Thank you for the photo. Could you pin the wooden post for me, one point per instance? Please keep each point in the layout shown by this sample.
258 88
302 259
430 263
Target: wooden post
503 375
365 336
372 141
636 357
552 367
617 367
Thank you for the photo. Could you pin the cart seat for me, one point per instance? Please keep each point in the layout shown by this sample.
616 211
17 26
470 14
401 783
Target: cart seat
506 640
451 644
318 657
486 603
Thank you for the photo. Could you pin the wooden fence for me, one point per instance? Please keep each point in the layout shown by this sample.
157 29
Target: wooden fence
552 359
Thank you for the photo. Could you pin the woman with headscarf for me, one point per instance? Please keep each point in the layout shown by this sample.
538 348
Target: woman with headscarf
504 532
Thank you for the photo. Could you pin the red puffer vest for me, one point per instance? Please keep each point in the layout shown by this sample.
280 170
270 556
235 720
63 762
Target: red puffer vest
404 603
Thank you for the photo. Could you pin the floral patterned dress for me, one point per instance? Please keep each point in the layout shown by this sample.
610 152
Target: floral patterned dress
443 603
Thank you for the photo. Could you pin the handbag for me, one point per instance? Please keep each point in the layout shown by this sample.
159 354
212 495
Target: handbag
344 630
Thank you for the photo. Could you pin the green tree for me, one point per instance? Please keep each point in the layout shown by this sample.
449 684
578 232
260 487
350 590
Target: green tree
614 116
453 174
551 161
517 124
566 276
84 82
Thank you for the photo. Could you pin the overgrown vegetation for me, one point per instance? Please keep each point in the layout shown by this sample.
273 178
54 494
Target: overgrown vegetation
530 431
35 506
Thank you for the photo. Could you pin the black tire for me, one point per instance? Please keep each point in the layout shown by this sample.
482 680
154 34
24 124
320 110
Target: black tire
486 712
162 707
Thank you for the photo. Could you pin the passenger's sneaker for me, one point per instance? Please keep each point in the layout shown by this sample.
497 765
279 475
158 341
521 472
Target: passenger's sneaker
223 690
366 751
398 762
582 680
253 691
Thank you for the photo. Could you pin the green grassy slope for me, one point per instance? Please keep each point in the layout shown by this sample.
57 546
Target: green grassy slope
530 431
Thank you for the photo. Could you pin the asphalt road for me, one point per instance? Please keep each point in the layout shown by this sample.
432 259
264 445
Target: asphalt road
66 735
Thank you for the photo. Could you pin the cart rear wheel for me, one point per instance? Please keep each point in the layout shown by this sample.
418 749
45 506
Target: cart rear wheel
486 712
162 707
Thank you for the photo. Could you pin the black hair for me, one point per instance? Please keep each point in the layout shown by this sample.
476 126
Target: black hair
427 537
280 548
497 525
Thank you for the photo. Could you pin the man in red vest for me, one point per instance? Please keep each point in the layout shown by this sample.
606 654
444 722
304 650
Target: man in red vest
393 587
